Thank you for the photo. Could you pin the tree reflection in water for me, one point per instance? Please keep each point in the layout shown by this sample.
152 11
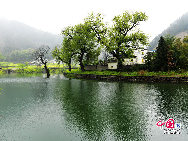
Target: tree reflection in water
102 110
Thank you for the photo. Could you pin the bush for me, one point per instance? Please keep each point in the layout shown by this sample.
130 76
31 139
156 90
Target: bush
142 72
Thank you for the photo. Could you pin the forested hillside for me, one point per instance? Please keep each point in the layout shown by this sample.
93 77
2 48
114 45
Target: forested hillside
19 39
178 28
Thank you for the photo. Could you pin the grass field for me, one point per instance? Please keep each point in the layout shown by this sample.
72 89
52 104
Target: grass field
26 68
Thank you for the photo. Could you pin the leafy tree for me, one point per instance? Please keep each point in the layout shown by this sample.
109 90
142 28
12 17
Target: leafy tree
171 54
62 56
97 27
87 38
124 36
161 55
183 59
149 61
67 50
185 40
41 56
85 43
81 42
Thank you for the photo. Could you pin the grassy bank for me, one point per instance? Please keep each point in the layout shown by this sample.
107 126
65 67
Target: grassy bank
139 73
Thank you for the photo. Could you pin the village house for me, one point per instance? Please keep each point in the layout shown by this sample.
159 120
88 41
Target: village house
137 59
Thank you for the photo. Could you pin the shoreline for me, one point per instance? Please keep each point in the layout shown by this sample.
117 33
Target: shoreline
151 79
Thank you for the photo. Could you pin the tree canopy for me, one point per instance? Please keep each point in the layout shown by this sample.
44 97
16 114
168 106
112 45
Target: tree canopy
171 54
84 41
81 42
124 35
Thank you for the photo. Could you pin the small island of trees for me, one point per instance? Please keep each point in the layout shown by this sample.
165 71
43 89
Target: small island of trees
83 44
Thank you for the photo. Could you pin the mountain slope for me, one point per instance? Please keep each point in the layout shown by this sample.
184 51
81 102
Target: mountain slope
178 28
18 36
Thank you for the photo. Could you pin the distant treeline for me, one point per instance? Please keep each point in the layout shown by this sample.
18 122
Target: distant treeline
20 56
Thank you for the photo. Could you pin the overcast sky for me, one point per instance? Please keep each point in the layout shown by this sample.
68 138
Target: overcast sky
53 15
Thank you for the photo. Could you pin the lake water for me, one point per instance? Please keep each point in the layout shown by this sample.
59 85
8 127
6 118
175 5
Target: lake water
59 109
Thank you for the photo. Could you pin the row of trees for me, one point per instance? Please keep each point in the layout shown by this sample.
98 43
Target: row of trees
171 54
82 43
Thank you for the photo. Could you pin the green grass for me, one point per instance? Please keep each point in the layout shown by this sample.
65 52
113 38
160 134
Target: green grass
140 73
1 72
10 64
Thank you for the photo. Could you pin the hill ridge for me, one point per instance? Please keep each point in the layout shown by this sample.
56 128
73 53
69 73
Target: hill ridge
177 28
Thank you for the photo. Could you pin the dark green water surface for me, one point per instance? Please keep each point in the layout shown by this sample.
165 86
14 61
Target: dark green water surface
59 109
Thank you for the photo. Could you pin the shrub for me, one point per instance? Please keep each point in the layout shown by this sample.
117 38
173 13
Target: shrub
141 72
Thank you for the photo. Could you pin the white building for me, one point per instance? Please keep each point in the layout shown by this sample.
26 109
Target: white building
112 64
138 59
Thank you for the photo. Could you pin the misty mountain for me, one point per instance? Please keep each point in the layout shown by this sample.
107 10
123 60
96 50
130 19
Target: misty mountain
18 36
179 28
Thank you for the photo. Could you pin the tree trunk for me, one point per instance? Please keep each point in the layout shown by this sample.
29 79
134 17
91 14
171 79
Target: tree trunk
120 64
82 66
81 62
69 65
47 70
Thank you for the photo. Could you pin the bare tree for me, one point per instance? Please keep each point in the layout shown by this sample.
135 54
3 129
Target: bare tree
40 55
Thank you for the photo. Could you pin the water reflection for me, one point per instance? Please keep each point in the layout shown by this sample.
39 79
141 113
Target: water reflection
173 103
103 111
79 102
37 109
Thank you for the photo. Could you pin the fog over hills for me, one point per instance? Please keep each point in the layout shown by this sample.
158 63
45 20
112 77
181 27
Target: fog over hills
179 28
18 36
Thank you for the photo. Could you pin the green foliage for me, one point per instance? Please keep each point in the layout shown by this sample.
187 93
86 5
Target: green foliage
171 54
96 26
161 61
81 42
183 55
124 36
10 64
149 61
85 42
30 69
65 52
1 72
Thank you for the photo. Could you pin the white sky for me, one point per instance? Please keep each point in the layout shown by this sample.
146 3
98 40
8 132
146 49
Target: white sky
53 15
